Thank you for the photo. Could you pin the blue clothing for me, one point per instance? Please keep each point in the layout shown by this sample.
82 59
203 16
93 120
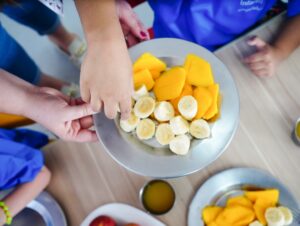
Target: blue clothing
210 23
13 57
20 161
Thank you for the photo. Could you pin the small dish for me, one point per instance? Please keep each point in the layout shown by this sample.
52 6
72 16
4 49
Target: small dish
157 197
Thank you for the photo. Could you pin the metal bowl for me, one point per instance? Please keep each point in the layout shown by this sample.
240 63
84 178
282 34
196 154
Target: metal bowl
159 162
217 189
43 211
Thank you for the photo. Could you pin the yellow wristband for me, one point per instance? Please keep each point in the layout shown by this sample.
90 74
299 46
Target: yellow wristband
5 209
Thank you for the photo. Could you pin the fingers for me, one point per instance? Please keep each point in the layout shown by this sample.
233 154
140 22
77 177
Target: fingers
125 107
96 103
110 109
131 40
86 122
257 57
86 135
258 65
261 72
78 111
55 92
258 42
85 92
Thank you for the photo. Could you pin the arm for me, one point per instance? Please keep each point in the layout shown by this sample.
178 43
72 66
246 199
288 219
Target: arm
268 56
23 194
106 73
69 119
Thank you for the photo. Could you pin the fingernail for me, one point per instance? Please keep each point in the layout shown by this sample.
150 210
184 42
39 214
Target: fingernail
143 34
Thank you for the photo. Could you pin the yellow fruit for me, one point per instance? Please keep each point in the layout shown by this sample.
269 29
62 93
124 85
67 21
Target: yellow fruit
239 200
213 109
150 62
260 207
187 91
141 78
235 215
270 195
198 71
170 84
204 99
218 115
210 213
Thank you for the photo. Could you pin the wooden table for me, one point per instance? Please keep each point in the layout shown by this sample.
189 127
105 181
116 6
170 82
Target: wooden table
85 177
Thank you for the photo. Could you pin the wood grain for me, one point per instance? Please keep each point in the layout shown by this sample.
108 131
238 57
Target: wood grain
85 177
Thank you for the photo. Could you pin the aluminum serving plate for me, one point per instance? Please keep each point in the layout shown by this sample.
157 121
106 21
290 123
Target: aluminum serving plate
158 162
43 211
232 182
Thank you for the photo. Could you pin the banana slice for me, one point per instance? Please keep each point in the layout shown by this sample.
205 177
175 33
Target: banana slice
164 111
188 107
144 107
179 125
145 129
199 129
129 124
274 217
180 145
256 223
287 213
164 134
141 92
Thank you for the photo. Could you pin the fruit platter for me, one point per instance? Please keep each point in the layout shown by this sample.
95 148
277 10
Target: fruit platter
246 197
185 110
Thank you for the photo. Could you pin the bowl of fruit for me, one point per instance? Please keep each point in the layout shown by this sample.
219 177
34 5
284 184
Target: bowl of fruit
185 111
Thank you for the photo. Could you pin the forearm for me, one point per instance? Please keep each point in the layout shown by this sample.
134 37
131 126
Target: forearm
22 195
100 21
289 38
15 94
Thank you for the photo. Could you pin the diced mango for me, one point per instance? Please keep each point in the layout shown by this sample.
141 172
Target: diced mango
219 104
198 71
239 200
187 90
204 99
213 109
260 207
270 195
210 213
155 74
150 62
235 215
212 224
143 77
170 84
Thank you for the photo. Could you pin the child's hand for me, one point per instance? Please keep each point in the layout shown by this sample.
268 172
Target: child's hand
69 119
263 63
133 29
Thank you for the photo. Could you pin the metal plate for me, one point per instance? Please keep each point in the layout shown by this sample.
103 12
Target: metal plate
157 162
43 211
232 182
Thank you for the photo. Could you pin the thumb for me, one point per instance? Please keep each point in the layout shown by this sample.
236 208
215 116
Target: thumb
257 42
135 25
78 111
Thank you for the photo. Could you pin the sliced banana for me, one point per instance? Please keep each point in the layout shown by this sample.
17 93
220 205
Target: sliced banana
287 213
199 129
256 223
180 145
179 125
141 92
145 129
188 107
144 107
164 134
129 124
164 111
274 217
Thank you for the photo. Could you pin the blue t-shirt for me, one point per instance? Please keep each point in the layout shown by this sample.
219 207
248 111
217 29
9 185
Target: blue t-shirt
210 23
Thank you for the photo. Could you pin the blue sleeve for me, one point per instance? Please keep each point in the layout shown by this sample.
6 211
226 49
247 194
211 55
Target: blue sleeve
19 163
293 8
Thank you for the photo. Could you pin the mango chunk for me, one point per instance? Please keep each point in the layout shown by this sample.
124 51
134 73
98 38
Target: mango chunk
198 71
235 215
239 200
170 84
213 109
212 224
270 195
210 213
186 91
143 77
260 207
155 74
204 99
150 62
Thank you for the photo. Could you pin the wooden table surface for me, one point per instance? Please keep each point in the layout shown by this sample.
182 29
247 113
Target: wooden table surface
85 177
